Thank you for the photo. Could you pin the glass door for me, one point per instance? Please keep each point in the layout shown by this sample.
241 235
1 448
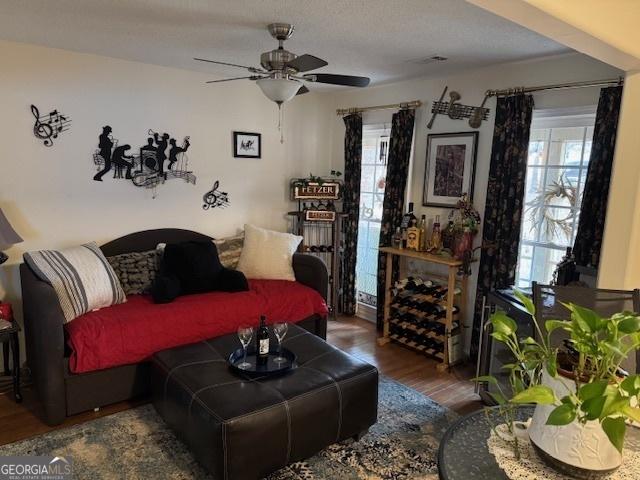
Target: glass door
375 148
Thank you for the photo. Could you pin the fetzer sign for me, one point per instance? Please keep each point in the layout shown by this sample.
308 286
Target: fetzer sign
317 191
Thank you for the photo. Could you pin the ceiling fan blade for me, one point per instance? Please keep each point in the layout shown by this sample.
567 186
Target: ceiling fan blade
250 77
347 80
302 90
251 69
306 62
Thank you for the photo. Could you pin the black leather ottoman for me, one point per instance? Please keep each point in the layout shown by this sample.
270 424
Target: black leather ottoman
241 428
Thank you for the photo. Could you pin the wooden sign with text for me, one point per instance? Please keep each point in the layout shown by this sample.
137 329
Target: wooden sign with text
317 191
319 215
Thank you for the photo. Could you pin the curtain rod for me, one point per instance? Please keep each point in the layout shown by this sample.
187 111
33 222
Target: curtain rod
349 111
560 86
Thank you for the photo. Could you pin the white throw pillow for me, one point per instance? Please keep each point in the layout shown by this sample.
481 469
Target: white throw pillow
81 277
267 254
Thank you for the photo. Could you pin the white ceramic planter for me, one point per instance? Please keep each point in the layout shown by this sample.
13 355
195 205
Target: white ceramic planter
574 448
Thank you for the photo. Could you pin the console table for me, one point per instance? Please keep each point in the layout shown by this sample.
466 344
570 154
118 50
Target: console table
450 279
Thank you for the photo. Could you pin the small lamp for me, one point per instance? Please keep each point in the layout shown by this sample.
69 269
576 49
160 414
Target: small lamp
8 236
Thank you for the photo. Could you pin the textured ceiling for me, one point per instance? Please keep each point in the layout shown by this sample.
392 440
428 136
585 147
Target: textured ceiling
381 39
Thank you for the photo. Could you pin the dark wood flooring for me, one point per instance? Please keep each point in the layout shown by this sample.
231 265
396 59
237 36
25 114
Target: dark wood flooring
353 335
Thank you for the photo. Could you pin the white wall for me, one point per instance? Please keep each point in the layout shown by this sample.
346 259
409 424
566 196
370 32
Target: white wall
471 85
48 193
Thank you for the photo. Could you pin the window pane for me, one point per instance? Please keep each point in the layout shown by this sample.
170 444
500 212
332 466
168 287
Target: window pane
535 178
374 235
566 146
366 206
538 147
381 177
556 225
368 153
530 223
367 178
545 264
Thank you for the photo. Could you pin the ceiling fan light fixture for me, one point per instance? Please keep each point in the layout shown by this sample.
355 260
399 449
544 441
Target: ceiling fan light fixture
279 90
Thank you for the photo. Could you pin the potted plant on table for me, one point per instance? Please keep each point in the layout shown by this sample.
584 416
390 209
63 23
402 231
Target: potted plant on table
583 398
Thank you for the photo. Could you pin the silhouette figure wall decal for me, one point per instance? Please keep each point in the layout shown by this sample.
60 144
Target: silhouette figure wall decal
147 167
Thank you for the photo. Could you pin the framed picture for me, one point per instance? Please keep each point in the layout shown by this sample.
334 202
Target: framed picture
247 145
450 168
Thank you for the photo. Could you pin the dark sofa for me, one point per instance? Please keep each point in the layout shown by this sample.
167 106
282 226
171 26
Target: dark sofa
63 393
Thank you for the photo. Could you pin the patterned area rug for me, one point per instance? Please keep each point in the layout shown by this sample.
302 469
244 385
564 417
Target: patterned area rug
136 444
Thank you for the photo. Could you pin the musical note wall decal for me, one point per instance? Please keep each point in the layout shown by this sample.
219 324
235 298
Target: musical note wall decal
48 127
215 198
159 160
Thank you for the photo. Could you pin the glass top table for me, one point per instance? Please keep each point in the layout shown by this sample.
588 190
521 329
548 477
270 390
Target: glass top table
464 453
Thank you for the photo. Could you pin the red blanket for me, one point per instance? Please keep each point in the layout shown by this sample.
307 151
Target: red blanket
133 331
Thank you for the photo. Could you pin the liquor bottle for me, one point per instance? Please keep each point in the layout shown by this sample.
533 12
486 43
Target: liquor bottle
413 236
423 233
407 217
448 236
436 237
403 243
262 339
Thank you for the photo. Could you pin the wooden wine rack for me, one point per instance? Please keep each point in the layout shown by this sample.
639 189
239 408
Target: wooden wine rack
418 330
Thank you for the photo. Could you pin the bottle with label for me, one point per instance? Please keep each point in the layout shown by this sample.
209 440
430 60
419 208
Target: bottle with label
448 236
262 340
408 217
436 237
423 233
413 236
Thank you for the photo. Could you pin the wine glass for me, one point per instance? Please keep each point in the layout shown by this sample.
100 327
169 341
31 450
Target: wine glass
280 330
245 334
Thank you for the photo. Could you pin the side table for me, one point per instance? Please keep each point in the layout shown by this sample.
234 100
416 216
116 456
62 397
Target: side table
464 453
10 343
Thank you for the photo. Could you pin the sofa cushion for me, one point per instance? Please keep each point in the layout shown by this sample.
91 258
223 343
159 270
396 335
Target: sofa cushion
268 254
130 333
81 277
229 250
136 271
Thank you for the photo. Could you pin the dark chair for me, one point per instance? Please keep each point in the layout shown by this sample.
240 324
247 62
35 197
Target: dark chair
548 301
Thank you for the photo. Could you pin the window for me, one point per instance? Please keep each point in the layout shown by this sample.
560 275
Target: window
375 147
559 151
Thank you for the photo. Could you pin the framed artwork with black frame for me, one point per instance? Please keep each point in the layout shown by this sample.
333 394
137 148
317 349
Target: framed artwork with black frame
449 168
247 145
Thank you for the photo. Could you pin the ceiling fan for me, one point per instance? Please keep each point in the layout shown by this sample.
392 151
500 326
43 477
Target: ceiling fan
283 73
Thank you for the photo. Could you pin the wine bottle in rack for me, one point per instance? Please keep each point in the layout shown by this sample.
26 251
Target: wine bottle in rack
313 248
262 339
323 248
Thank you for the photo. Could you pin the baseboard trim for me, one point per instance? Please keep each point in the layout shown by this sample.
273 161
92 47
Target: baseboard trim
367 312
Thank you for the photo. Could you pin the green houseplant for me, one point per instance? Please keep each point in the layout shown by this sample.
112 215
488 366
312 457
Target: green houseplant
581 393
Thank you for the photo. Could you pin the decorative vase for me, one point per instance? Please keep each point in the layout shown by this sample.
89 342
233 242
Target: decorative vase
463 244
579 450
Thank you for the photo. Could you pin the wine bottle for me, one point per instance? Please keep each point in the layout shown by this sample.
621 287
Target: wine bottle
407 217
262 339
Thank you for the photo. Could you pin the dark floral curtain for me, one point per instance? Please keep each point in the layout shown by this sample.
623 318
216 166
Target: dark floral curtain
586 248
505 196
393 203
351 206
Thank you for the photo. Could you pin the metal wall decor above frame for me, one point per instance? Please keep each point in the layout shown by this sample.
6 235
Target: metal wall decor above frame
450 166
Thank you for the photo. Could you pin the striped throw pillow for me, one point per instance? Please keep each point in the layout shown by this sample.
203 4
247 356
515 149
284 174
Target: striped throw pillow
81 277
229 250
